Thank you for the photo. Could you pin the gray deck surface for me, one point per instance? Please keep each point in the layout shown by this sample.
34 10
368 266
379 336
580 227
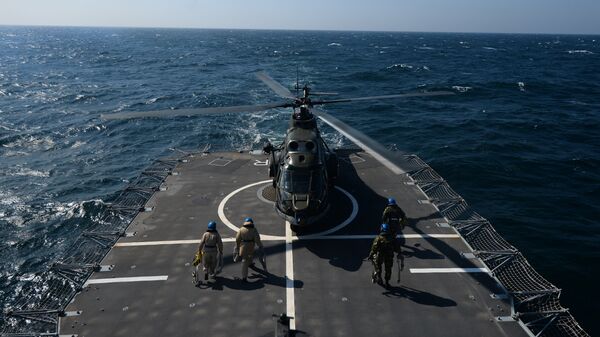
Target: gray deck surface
332 291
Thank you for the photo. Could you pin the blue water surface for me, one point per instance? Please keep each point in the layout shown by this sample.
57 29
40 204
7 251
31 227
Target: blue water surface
520 141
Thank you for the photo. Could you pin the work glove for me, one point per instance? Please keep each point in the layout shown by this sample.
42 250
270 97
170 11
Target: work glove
236 254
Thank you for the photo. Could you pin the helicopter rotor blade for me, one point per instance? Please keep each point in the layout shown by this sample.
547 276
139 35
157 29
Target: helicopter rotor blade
392 160
277 87
369 98
193 112
319 93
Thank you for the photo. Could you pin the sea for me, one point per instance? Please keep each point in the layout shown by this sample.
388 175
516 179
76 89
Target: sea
519 140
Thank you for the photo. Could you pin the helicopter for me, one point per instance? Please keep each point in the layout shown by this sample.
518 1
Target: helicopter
303 168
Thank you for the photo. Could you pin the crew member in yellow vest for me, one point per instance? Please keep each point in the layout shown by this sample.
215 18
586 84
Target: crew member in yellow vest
246 240
211 246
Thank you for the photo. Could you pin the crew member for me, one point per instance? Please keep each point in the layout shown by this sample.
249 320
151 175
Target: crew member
246 240
211 247
382 252
394 216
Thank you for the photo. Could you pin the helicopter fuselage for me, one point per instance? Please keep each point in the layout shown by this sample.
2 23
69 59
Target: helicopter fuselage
303 171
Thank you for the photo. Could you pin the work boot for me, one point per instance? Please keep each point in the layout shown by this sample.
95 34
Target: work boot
387 283
205 276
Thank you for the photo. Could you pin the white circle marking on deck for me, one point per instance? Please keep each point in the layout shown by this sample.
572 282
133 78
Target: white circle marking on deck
221 212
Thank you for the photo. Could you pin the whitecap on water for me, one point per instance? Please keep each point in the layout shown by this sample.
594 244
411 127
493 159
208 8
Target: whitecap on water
7 198
4 127
580 51
32 143
77 144
15 153
334 44
521 86
24 171
400 65
461 88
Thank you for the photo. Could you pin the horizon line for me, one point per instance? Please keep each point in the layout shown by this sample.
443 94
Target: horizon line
295 30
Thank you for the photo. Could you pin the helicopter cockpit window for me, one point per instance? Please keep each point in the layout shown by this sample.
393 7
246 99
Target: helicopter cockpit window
301 181
296 181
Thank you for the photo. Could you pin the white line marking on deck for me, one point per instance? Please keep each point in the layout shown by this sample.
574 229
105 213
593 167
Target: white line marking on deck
220 162
221 212
289 276
126 279
346 222
294 238
221 208
372 236
165 243
447 270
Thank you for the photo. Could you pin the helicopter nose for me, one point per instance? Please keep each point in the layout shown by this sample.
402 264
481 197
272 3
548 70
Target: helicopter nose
300 201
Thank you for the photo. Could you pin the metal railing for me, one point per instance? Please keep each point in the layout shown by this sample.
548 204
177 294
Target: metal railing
43 300
535 300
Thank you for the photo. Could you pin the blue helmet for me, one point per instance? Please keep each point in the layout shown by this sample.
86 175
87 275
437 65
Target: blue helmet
384 228
212 225
391 201
249 219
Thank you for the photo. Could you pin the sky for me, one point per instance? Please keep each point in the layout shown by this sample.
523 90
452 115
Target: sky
502 16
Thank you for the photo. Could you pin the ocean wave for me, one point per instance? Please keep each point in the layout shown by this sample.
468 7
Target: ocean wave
20 212
400 66
461 88
334 44
11 153
156 99
32 143
6 128
27 172
580 51
77 144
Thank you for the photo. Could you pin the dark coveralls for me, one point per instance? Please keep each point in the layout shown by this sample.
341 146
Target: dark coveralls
395 217
382 252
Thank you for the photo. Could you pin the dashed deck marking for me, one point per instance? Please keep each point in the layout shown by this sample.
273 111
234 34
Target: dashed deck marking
289 276
126 279
220 162
448 270
294 238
